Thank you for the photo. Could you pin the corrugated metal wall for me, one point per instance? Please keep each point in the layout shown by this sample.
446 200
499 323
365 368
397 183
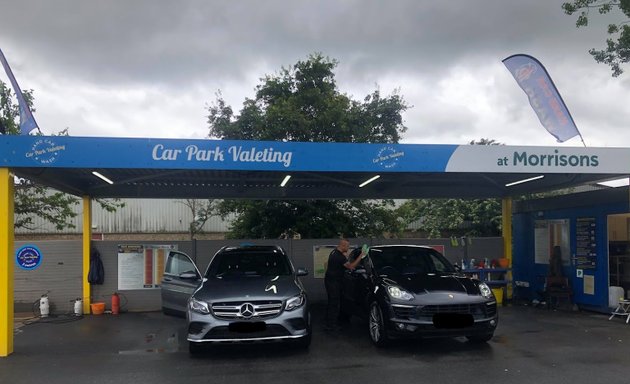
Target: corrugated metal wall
60 274
137 216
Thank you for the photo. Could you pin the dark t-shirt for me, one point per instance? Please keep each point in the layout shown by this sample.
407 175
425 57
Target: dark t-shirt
335 268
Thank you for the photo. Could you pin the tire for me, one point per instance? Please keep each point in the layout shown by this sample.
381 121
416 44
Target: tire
195 348
480 338
172 312
377 328
305 342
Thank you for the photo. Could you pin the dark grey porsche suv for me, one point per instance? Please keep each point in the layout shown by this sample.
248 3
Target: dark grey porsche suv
408 290
247 294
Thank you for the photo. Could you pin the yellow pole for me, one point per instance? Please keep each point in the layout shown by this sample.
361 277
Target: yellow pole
6 262
87 237
506 225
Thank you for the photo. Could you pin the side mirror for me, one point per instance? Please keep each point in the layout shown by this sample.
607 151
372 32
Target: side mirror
457 267
188 276
301 272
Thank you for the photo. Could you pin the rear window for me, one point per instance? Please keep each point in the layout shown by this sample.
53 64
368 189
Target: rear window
248 263
412 260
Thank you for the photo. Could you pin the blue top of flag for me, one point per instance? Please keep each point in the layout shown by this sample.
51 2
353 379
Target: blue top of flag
543 96
27 121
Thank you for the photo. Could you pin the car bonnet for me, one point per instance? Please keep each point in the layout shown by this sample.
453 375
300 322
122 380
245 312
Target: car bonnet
248 288
430 282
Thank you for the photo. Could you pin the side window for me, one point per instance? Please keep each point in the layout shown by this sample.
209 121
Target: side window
178 263
438 264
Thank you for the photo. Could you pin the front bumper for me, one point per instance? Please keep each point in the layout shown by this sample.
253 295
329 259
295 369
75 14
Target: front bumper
470 319
286 325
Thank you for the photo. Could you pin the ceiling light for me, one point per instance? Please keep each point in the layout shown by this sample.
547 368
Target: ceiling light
105 179
368 181
285 181
524 180
615 183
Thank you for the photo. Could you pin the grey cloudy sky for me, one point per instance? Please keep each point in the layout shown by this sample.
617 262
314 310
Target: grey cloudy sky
149 68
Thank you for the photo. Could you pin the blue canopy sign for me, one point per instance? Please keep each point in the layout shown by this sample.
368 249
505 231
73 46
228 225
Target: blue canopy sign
137 153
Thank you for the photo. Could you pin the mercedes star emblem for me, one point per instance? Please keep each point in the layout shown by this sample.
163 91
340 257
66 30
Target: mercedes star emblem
247 310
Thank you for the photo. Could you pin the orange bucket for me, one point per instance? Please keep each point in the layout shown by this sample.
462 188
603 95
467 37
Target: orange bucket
97 308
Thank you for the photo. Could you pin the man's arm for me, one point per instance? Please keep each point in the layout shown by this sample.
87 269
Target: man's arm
351 265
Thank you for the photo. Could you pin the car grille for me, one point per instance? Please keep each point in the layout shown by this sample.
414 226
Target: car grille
479 311
240 309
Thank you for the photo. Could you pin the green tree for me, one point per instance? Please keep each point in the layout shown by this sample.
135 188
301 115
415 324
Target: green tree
455 217
201 211
617 51
303 103
32 199
311 218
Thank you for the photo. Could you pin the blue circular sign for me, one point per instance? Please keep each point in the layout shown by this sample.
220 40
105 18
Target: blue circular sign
387 157
28 257
45 151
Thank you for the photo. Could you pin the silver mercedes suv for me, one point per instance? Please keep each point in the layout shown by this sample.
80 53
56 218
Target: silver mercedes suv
247 294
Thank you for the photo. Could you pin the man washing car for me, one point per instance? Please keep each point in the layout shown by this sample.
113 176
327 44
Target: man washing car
338 263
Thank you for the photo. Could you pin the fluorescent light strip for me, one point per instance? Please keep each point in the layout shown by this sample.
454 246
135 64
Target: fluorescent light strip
368 181
285 181
615 183
105 179
524 180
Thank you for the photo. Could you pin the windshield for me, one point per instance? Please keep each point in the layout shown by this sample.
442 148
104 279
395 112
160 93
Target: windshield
249 263
408 260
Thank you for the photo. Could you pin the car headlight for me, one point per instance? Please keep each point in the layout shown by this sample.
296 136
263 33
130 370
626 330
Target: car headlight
198 306
294 302
485 291
397 293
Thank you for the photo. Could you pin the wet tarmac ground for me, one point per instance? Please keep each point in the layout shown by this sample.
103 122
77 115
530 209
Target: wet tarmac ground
531 345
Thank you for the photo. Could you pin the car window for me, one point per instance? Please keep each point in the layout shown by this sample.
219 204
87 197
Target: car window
177 264
439 264
353 255
244 263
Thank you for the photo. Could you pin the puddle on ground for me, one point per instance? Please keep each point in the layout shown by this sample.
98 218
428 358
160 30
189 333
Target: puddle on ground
172 346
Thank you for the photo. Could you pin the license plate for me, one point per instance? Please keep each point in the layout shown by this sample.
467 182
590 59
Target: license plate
452 320
248 327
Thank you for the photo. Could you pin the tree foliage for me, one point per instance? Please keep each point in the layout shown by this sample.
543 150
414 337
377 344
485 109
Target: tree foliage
311 218
201 211
303 103
455 217
617 51
32 199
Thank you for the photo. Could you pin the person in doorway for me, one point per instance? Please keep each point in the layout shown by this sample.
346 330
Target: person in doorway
337 263
555 262
556 285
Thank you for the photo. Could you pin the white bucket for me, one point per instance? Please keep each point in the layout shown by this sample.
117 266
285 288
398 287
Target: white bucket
614 295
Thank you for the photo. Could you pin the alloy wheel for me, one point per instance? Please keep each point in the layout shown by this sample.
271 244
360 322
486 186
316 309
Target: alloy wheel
376 323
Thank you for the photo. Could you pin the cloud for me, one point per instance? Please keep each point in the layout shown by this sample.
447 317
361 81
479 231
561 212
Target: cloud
149 68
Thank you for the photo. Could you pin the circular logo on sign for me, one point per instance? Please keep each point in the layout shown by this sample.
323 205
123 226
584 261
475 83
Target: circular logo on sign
44 151
28 257
387 157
